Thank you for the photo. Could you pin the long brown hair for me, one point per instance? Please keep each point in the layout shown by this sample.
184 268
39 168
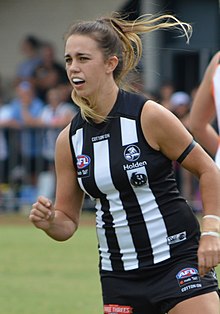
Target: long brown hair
116 36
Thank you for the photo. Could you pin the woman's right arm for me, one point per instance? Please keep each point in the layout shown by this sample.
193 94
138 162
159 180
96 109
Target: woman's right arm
60 220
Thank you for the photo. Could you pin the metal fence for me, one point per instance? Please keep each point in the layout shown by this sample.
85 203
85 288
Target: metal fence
27 167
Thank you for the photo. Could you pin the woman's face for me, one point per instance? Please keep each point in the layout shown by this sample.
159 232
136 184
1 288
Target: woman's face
85 65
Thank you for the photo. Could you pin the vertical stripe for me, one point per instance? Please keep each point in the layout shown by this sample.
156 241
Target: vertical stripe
155 224
77 141
104 182
128 131
103 245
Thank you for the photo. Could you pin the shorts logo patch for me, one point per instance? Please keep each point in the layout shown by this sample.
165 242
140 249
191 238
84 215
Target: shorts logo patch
188 278
115 309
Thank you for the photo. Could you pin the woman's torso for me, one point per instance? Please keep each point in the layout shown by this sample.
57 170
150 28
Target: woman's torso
141 219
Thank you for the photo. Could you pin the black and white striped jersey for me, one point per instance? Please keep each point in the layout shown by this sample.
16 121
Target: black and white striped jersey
141 219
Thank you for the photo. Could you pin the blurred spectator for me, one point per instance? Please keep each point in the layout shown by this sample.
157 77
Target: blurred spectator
26 110
166 91
49 73
197 201
65 92
30 46
180 103
6 122
55 116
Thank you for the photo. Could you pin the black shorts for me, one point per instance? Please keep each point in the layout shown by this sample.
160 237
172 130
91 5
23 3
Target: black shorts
154 291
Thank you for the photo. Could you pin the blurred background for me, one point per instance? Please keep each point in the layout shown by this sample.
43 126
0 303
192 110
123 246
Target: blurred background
35 101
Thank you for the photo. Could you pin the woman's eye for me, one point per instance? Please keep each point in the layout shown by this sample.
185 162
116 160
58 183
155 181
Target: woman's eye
67 60
84 58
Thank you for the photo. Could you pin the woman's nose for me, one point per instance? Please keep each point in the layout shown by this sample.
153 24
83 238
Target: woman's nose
74 67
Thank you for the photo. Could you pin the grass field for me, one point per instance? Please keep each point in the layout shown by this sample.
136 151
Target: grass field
40 275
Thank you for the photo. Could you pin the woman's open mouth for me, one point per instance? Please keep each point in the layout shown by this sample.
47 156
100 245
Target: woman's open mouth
78 81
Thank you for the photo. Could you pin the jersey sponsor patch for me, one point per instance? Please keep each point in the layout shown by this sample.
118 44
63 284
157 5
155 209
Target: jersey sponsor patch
179 237
132 153
134 165
115 309
188 278
100 137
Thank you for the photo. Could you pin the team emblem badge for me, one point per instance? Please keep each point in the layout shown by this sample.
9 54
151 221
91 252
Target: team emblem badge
138 179
132 153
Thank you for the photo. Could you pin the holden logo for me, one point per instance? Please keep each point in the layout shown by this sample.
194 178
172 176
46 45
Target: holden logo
132 153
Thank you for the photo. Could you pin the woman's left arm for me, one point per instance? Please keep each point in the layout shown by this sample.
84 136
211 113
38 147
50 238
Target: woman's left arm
166 133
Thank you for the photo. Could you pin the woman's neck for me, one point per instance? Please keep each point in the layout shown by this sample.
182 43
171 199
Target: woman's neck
105 101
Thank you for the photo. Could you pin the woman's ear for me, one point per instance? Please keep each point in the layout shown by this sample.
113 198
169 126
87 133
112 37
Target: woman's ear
111 64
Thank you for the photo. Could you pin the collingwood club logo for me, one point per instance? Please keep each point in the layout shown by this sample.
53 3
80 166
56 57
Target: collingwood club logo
138 179
132 153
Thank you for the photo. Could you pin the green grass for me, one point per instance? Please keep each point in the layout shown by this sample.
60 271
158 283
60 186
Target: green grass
40 275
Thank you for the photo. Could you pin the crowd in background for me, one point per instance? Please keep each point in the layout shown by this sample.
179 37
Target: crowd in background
32 116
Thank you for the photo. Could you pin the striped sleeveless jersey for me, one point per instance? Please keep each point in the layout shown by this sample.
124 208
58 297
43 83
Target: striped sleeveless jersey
141 219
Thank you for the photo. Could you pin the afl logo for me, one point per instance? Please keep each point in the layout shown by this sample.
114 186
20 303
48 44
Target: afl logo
132 153
83 161
186 272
